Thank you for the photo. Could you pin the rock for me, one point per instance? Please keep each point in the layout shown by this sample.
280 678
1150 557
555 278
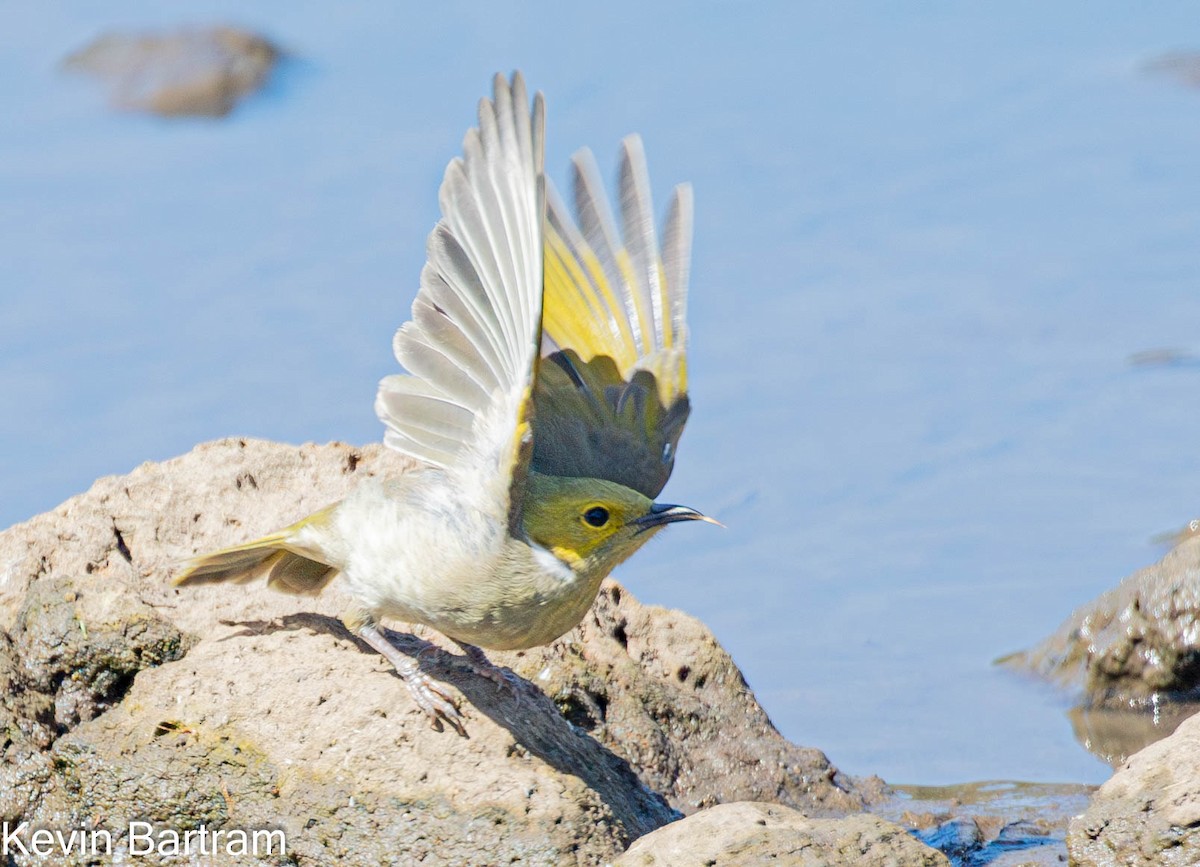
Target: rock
190 72
1148 813
655 686
276 717
26 731
1135 644
1183 66
730 835
83 650
293 728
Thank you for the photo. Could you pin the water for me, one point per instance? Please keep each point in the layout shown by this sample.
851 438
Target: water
928 241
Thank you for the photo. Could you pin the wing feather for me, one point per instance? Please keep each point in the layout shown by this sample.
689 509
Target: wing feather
449 338
429 362
602 248
452 306
677 256
472 344
614 401
467 223
637 220
583 298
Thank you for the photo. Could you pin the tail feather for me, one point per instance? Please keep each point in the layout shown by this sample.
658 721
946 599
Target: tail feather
287 566
300 576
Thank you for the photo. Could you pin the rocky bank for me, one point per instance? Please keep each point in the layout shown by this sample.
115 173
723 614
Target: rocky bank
1148 813
239 708
1132 656
1135 645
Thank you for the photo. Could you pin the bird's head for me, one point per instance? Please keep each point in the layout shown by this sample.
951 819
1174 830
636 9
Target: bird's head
593 525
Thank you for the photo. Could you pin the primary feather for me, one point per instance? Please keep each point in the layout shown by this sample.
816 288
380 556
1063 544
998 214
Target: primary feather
611 398
472 343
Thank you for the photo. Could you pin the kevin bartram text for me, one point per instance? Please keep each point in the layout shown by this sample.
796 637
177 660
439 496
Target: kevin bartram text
139 839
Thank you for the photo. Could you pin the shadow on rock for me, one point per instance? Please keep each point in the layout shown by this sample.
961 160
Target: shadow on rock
533 720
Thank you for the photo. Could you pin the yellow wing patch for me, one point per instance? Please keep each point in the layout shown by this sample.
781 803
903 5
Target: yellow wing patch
611 389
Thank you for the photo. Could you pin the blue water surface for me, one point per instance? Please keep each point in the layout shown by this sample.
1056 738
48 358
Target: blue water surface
929 237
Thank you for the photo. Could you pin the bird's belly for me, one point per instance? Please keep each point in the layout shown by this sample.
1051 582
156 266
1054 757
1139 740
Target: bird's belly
482 606
509 620
486 602
459 572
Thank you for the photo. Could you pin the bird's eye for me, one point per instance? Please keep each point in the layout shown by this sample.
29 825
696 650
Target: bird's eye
596 516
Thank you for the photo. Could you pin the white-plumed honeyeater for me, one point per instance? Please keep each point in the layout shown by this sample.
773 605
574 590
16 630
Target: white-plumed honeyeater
546 394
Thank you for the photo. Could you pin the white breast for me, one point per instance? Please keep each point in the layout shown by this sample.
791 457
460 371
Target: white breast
413 545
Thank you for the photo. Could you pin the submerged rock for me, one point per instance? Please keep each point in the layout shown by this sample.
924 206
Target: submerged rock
1183 66
190 72
237 707
994 823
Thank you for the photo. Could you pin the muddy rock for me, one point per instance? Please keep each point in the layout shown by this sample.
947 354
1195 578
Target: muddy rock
1148 813
731 835
290 727
191 72
1134 645
238 707
83 650
69 659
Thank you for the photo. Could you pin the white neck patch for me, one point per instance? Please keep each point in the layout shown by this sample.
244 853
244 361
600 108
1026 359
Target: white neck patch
550 564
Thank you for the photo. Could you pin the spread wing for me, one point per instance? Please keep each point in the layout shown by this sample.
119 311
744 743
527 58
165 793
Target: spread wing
473 341
611 393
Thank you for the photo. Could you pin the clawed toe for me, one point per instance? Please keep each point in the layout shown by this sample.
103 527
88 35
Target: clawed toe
438 704
477 661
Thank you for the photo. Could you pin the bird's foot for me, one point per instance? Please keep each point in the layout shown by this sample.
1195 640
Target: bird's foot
438 704
478 662
433 698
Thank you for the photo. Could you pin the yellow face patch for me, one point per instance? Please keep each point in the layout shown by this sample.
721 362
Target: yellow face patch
584 521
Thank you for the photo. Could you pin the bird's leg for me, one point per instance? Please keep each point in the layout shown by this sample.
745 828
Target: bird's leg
479 663
431 697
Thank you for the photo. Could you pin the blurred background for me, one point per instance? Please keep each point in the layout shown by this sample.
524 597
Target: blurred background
931 242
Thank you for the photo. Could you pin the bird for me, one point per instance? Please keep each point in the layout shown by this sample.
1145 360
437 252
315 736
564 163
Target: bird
544 399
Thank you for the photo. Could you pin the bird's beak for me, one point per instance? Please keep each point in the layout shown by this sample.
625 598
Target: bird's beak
664 513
